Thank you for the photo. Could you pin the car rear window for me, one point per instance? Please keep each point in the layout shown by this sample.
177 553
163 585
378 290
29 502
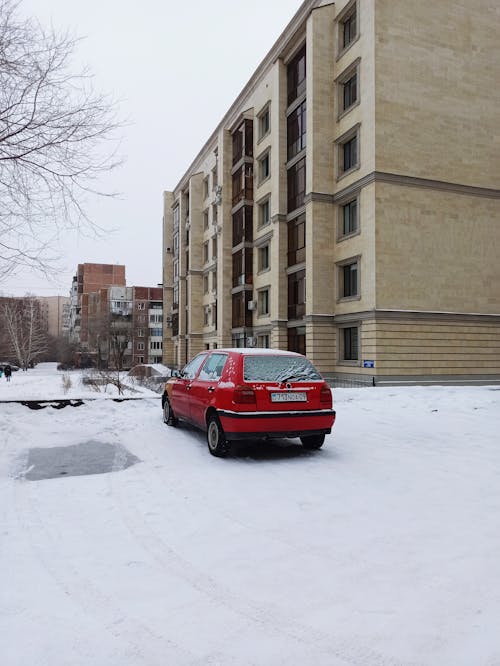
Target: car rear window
280 368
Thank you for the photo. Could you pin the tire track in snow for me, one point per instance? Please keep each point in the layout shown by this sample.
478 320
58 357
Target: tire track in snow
267 618
143 645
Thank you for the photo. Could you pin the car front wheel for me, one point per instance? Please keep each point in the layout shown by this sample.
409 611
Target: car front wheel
216 440
312 441
168 414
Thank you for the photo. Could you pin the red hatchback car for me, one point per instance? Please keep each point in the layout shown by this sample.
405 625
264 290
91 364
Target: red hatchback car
236 394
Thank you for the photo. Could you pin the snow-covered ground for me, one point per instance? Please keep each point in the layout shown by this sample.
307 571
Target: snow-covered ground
383 549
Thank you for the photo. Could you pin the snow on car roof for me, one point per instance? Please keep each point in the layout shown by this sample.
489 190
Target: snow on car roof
257 351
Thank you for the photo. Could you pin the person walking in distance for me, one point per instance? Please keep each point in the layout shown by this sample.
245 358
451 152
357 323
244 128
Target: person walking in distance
7 372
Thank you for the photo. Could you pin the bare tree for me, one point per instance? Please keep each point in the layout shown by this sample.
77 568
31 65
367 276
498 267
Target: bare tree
55 134
27 337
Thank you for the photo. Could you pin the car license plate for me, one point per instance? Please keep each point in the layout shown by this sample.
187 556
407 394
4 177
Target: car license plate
290 396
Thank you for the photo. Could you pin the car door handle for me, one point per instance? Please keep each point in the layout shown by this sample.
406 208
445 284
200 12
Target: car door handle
210 389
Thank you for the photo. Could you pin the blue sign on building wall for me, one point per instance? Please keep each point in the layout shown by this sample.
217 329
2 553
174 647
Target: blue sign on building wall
368 364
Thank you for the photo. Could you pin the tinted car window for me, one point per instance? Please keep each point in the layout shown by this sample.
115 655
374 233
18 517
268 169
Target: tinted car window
213 367
193 366
278 369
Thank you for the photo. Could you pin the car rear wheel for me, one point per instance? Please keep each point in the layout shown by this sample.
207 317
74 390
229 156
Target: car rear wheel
216 440
312 441
168 414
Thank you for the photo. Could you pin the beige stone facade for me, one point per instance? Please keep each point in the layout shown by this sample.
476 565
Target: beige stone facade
348 204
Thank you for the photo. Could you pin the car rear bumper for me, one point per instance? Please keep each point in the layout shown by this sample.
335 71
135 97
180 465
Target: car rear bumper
253 425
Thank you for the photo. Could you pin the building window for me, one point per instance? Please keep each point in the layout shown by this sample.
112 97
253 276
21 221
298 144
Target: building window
349 344
296 131
296 76
264 123
297 240
177 217
140 346
205 284
349 279
140 359
214 282
242 267
297 339
263 302
238 340
206 315
348 151
348 25
264 167
214 249
297 295
296 176
243 141
349 154
263 341
140 332
241 314
263 258
349 89
205 219
205 252
264 213
242 225
214 177
243 184
141 306
348 218
205 187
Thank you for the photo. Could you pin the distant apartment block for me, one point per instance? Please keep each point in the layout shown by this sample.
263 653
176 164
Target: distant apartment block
347 206
122 325
89 278
55 311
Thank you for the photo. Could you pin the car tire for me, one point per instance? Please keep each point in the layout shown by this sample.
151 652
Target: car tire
312 442
168 413
216 440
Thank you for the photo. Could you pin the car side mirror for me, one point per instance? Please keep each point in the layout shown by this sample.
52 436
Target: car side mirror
175 373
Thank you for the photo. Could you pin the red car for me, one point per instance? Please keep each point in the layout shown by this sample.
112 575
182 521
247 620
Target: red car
236 394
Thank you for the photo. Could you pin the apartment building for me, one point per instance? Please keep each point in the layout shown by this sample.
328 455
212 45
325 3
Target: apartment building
55 311
124 326
347 206
89 278
147 340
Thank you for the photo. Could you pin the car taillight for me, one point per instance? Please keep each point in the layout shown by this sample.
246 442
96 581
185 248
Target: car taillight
325 395
244 395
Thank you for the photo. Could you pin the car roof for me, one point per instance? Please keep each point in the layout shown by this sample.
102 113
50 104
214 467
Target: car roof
256 351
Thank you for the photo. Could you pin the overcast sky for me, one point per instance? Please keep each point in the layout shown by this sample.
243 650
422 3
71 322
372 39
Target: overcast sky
177 67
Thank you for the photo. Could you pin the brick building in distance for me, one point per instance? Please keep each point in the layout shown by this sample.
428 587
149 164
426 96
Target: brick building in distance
114 324
89 278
